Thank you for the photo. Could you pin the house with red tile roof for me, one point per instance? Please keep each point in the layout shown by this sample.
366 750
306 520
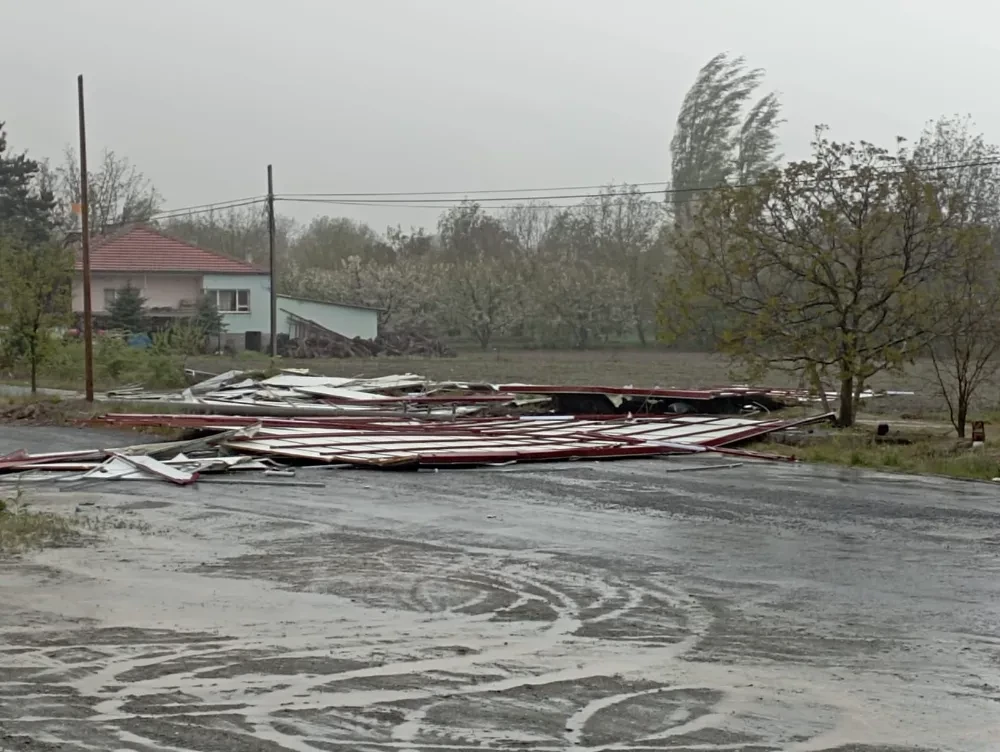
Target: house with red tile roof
172 274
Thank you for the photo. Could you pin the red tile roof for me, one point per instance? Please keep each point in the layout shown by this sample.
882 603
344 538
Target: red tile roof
142 249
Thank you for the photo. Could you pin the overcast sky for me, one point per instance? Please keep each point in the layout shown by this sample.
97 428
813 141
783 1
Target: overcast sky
455 95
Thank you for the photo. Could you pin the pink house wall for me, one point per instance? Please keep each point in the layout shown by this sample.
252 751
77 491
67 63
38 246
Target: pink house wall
160 290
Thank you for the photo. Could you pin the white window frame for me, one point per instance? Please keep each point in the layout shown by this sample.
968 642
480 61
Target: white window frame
214 296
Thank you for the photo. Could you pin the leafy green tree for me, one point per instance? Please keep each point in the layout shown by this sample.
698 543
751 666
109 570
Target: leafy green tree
35 284
26 202
716 138
825 267
327 241
467 232
128 310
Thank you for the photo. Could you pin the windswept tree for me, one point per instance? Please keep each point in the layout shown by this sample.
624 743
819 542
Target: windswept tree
118 193
721 134
825 267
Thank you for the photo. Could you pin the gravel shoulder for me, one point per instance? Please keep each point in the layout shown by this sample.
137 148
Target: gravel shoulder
583 606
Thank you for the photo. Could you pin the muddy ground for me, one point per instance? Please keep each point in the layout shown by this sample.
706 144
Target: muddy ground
630 606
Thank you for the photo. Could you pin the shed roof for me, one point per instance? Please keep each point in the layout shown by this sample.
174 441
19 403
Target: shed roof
143 249
329 302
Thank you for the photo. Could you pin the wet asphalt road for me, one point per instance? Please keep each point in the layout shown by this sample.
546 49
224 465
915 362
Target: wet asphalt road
618 606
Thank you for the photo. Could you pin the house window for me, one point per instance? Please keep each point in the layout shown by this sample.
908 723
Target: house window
110 293
230 301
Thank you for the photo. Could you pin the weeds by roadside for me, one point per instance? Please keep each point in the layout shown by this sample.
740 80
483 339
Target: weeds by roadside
923 454
22 529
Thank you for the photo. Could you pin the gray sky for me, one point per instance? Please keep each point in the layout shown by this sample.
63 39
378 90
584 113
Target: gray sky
411 95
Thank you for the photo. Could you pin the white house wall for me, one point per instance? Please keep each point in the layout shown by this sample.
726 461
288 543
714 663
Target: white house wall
346 320
160 290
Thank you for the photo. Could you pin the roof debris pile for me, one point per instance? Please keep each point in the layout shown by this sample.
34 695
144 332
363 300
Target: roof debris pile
223 447
297 392
242 427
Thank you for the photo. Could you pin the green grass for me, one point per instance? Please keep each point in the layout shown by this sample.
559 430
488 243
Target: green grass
927 454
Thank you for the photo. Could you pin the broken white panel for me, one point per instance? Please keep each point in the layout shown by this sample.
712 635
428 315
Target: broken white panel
340 393
294 381
382 383
216 382
114 468
158 469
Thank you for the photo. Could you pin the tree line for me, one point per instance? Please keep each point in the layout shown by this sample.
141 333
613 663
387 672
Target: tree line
836 268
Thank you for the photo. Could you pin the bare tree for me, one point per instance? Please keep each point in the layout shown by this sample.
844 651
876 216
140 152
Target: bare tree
119 194
966 349
528 224
628 228
239 233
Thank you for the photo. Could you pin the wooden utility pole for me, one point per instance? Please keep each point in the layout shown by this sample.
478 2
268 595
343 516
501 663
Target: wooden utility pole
274 274
88 326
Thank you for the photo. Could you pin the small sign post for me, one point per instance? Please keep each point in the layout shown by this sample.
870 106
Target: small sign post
978 432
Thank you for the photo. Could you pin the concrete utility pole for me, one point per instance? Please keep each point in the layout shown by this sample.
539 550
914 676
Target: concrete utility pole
274 274
88 326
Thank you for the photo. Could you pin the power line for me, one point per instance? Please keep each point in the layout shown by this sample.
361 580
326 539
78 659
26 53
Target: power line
288 197
206 208
435 207
439 207
393 197
664 183
414 200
